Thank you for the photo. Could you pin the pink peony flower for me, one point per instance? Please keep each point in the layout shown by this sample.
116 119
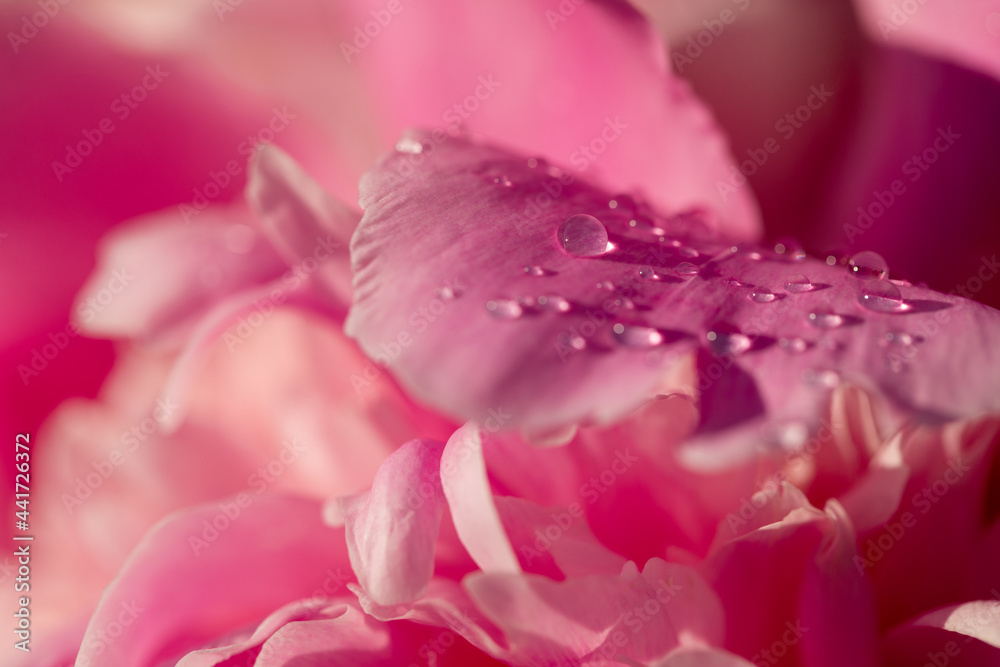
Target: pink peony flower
754 456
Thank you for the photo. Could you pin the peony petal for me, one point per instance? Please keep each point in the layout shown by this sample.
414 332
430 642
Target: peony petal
701 657
964 31
962 635
774 353
264 538
463 476
391 530
596 71
309 228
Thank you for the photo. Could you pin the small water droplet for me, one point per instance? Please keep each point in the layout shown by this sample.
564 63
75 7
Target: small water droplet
447 293
635 336
868 265
526 302
606 285
754 255
901 282
798 283
583 236
687 252
899 338
533 162
827 379
533 270
647 273
622 302
793 344
504 309
735 282
762 295
825 320
502 181
733 343
408 145
686 269
831 260
573 341
553 303
881 297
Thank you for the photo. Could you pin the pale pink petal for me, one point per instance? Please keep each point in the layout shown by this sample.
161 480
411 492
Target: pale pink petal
545 365
702 657
157 275
267 553
309 228
467 489
391 530
596 71
964 31
961 635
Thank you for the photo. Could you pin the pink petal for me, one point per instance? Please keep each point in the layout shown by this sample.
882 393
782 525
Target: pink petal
309 228
596 72
526 369
962 635
391 530
965 31
241 572
702 657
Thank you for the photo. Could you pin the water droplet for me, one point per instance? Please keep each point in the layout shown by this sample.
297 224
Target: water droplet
553 303
502 180
868 265
606 285
630 335
825 320
762 295
754 255
735 282
504 309
623 302
686 269
789 435
533 162
447 293
573 340
533 270
798 283
583 236
408 145
882 297
900 282
733 343
826 379
647 273
899 338
793 344
526 302
687 252
831 260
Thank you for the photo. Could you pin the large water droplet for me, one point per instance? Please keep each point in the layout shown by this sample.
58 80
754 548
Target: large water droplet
553 303
631 335
504 309
686 269
798 283
723 343
583 236
762 295
882 297
868 265
825 320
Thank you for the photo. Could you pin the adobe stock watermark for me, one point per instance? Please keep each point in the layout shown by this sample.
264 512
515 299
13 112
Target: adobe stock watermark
786 127
218 181
130 440
258 482
31 25
371 30
915 167
638 616
419 321
587 153
779 649
685 55
986 616
923 502
104 637
87 311
122 107
291 281
899 15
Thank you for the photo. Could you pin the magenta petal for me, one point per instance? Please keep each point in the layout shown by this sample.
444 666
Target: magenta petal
241 572
391 529
595 71
964 31
309 228
441 291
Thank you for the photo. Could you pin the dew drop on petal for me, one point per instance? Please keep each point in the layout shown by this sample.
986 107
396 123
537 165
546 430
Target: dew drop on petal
825 320
447 293
881 297
735 282
408 145
723 343
868 265
790 248
798 283
793 344
504 309
831 260
502 181
573 341
762 295
687 252
553 303
583 236
899 338
647 273
535 270
686 269
635 336
606 285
